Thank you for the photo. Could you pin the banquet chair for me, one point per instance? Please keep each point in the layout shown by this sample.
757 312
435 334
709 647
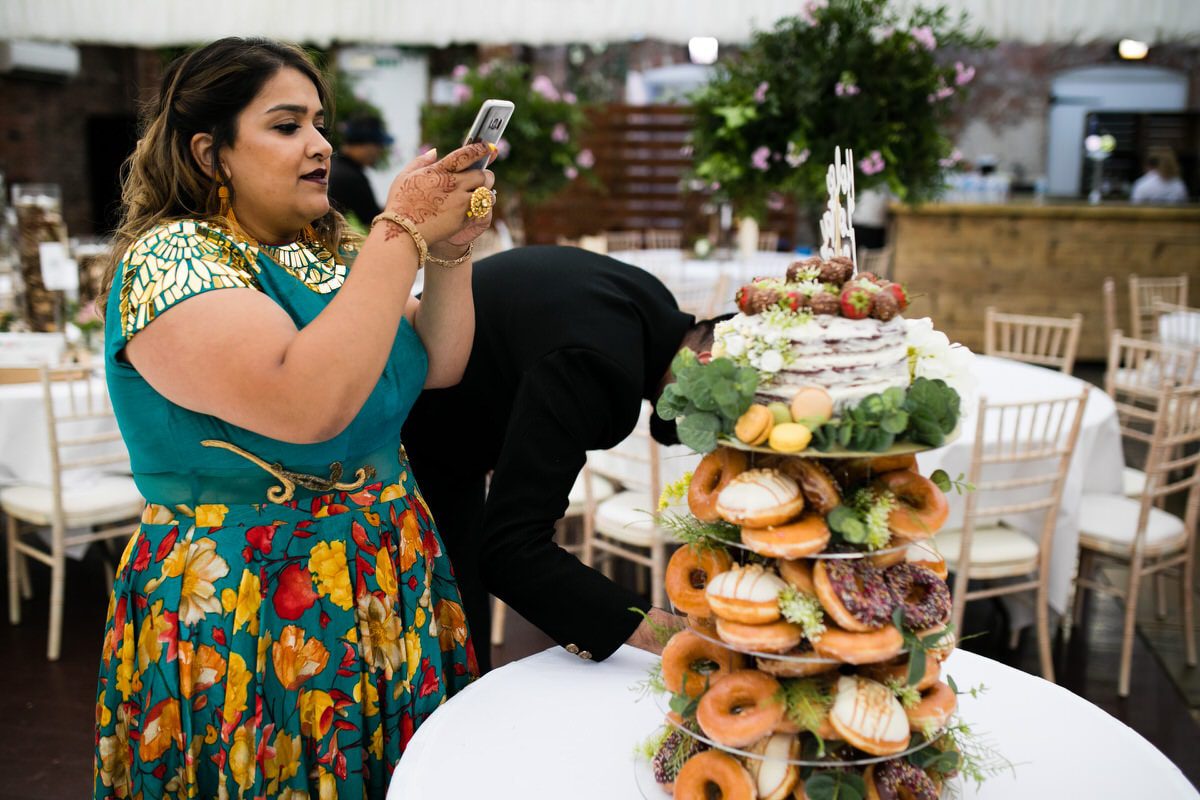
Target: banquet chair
768 241
576 504
699 297
1018 467
1140 535
878 261
1144 293
623 526
1135 377
659 239
90 488
623 240
1045 341
1109 291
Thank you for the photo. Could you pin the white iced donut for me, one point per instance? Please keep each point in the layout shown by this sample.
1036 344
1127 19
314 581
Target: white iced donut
757 498
746 594
774 776
868 716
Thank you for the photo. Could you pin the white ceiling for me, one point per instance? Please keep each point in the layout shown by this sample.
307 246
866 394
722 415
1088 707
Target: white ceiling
153 23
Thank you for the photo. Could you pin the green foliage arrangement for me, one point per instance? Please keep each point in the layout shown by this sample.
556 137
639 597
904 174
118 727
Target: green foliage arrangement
540 152
926 414
849 73
706 399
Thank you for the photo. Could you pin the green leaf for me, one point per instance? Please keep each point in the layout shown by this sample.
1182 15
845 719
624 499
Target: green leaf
941 479
670 403
849 523
699 431
895 422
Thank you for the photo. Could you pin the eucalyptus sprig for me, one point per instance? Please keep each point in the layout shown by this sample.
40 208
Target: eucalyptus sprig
686 706
705 400
835 785
943 481
918 646
872 425
686 529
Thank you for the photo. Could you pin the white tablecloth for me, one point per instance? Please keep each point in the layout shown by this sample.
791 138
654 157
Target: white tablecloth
674 268
1096 466
553 726
1180 328
24 446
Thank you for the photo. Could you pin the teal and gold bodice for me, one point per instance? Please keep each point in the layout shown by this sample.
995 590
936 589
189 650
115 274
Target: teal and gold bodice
183 457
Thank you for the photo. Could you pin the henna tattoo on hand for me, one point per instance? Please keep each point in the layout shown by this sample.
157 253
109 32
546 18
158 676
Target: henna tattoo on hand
422 194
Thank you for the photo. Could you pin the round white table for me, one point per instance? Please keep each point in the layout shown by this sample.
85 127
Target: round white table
677 269
1096 467
552 725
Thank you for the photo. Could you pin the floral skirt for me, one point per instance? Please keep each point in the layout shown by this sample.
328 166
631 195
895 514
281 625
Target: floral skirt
277 651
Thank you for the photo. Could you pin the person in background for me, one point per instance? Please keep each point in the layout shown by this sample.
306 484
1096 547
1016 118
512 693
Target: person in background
364 142
284 618
871 218
1161 183
568 345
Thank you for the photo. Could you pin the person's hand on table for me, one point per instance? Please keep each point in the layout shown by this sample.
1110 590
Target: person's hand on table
646 637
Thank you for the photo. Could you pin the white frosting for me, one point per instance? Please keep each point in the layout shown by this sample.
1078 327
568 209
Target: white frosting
757 490
752 583
775 774
870 709
849 358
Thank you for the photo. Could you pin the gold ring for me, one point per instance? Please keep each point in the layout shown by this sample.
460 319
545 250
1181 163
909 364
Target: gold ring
482 200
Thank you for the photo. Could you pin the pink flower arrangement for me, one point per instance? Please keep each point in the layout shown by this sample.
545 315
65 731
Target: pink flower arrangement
586 159
462 93
760 94
460 72
794 157
571 173
569 98
954 157
545 87
761 158
943 91
503 149
873 164
846 89
809 9
923 35
963 75
559 133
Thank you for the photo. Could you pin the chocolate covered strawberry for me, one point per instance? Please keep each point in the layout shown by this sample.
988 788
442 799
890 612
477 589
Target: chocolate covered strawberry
795 300
825 303
897 291
855 302
884 306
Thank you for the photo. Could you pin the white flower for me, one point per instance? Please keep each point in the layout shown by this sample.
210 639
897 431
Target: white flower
734 344
931 355
771 361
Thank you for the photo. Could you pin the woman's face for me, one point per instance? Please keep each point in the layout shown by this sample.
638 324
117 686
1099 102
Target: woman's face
279 162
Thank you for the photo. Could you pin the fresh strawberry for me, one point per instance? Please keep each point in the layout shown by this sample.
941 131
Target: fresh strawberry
855 302
900 294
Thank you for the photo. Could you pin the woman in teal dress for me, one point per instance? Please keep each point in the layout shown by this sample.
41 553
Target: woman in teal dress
285 616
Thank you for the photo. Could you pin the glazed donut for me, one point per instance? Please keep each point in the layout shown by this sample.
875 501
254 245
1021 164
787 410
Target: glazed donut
804 537
713 773
945 646
712 474
688 573
747 594
774 775
684 653
934 710
883 464
758 498
889 557
798 573
921 508
924 554
898 779
816 482
868 716
854 593
798 669
773 637
897 670
741 708
860 648
922 596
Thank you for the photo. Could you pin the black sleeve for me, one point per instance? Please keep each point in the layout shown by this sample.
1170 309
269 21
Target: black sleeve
567 403
351 193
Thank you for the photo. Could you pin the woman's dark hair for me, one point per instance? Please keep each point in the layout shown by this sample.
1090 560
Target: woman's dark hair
203 91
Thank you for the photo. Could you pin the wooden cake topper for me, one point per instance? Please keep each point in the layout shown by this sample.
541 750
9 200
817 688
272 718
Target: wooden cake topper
837 230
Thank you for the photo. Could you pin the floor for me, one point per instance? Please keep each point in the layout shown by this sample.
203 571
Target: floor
47 709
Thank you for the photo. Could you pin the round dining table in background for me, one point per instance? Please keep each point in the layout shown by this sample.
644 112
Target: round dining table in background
1095 468
552 725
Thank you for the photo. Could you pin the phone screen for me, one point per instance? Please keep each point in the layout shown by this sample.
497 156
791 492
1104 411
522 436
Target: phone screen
489 126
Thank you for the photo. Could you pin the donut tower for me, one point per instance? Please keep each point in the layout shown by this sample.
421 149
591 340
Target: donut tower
817 611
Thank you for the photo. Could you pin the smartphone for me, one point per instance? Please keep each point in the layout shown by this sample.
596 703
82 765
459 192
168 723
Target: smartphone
489 126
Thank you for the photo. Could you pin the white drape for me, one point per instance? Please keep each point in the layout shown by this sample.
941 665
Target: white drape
151 23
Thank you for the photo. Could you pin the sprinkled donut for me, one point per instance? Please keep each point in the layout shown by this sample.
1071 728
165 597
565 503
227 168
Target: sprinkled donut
921 595
896 779
854 593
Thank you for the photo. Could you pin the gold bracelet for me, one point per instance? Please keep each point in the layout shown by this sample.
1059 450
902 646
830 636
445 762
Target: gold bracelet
452 262
410 229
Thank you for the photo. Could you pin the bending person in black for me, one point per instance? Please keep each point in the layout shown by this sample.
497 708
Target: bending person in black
567 345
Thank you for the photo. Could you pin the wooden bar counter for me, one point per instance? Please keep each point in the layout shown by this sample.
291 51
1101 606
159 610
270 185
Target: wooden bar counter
1027 258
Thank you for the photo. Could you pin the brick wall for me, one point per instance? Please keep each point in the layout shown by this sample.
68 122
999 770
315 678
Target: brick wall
43 130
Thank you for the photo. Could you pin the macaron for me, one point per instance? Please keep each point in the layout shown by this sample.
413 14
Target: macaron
790 437
812 406
755 425
780 411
